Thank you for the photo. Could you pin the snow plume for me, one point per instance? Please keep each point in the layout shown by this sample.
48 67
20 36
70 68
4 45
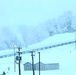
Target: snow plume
10 36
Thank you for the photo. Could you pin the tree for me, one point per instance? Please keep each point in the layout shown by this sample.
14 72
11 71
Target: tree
65 22
51 26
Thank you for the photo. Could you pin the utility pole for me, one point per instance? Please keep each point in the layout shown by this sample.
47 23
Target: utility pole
14 59
19 59
39 62
32 61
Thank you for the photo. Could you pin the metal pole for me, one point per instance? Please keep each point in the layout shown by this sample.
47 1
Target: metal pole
19 61
32 62
14 61
39 63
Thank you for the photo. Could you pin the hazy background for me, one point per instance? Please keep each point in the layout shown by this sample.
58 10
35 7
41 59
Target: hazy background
33 12
25 22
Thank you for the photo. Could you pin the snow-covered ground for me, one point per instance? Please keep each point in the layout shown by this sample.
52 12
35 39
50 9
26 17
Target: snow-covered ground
64 55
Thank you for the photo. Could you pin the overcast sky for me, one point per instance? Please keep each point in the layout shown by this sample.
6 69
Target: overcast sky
33 12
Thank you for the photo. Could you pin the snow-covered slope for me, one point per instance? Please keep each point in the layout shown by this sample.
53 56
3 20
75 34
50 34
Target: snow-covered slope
56 39
64 55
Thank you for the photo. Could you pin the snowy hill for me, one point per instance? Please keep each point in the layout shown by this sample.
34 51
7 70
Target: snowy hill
64 55
24 35
56 39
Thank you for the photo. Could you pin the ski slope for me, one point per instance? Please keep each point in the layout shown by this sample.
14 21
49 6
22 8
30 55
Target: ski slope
64 55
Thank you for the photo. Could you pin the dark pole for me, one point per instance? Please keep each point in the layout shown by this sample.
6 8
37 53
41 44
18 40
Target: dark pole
14 60
19 60
32 62
39 63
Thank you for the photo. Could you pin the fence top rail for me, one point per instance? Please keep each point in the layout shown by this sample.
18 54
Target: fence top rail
39 49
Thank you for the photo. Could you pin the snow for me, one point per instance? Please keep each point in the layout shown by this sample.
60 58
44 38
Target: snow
56 39
64 55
